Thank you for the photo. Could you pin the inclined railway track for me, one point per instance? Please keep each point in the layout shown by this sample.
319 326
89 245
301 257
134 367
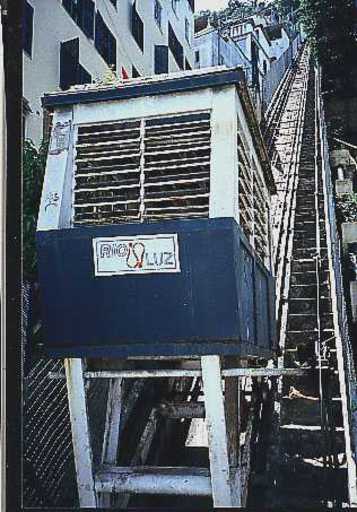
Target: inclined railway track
308 461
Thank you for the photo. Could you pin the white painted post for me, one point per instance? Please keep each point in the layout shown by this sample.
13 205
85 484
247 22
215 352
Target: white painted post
80 433
225 491
111 431
223 200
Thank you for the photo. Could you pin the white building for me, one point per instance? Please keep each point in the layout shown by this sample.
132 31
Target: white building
67 42
279 39
212 49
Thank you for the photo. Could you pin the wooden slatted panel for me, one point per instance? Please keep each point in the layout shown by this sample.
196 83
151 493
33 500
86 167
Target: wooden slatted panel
246 205
261 219
107 173
143 170
177 166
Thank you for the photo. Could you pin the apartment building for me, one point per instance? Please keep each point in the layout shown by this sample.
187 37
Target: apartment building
68 42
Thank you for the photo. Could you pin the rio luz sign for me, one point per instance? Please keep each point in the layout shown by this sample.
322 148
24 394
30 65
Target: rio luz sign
142 254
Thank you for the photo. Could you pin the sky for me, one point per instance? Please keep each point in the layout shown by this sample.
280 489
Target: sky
213 5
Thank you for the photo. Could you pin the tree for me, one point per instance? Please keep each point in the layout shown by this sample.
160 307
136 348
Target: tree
329 25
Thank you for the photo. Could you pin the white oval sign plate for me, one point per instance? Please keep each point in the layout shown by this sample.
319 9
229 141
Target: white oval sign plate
142 254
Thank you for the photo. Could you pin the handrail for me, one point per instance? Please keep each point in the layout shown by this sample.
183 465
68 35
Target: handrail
344 352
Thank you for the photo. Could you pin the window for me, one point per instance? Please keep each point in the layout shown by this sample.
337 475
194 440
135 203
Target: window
197 57
158 13
134 72
161 59
71 71
26 111
265 67
187 65
28 29
187 31
175 47
174 5
105 42
82 12
191 3
114 2
137 27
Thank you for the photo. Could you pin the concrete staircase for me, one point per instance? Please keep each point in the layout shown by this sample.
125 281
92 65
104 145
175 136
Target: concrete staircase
301 475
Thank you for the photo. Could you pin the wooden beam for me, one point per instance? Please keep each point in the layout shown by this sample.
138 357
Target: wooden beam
222 489
185 481
111 430
80 433
170 373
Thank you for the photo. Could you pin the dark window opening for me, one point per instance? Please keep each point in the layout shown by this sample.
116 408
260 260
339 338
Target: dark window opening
28 29
114 2
71 71
176 48
197 56
158 13
174 5
82 12
187 64
191 3
105 42
187 31
161 59
134 72
137 27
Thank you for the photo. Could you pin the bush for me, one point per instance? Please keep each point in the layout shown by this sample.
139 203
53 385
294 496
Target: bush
34 162
346 206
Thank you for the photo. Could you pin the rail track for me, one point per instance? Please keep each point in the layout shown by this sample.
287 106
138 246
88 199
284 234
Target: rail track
309 461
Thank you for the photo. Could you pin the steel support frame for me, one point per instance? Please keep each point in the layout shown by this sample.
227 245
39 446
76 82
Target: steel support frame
222 412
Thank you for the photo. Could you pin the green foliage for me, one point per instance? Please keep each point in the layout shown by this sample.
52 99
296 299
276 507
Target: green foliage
286 6
346 206
329 25
34 162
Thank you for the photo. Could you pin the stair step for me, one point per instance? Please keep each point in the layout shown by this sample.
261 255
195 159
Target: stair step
308 252
307 336
307 412
309 385
306 265
308 277
306 321
304 479
303 305
308 441
308 291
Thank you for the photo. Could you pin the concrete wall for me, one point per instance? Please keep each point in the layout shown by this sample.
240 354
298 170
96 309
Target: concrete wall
53 25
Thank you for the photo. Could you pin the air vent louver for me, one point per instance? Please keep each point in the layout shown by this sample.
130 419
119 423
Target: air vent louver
143 170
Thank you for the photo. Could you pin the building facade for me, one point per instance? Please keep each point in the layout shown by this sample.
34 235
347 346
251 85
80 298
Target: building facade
212 49
68 42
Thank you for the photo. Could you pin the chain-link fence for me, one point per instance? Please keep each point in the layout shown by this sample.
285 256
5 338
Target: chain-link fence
48 466
49 478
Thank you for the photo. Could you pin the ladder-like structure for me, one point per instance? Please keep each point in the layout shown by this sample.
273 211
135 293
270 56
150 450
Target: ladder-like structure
226 480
